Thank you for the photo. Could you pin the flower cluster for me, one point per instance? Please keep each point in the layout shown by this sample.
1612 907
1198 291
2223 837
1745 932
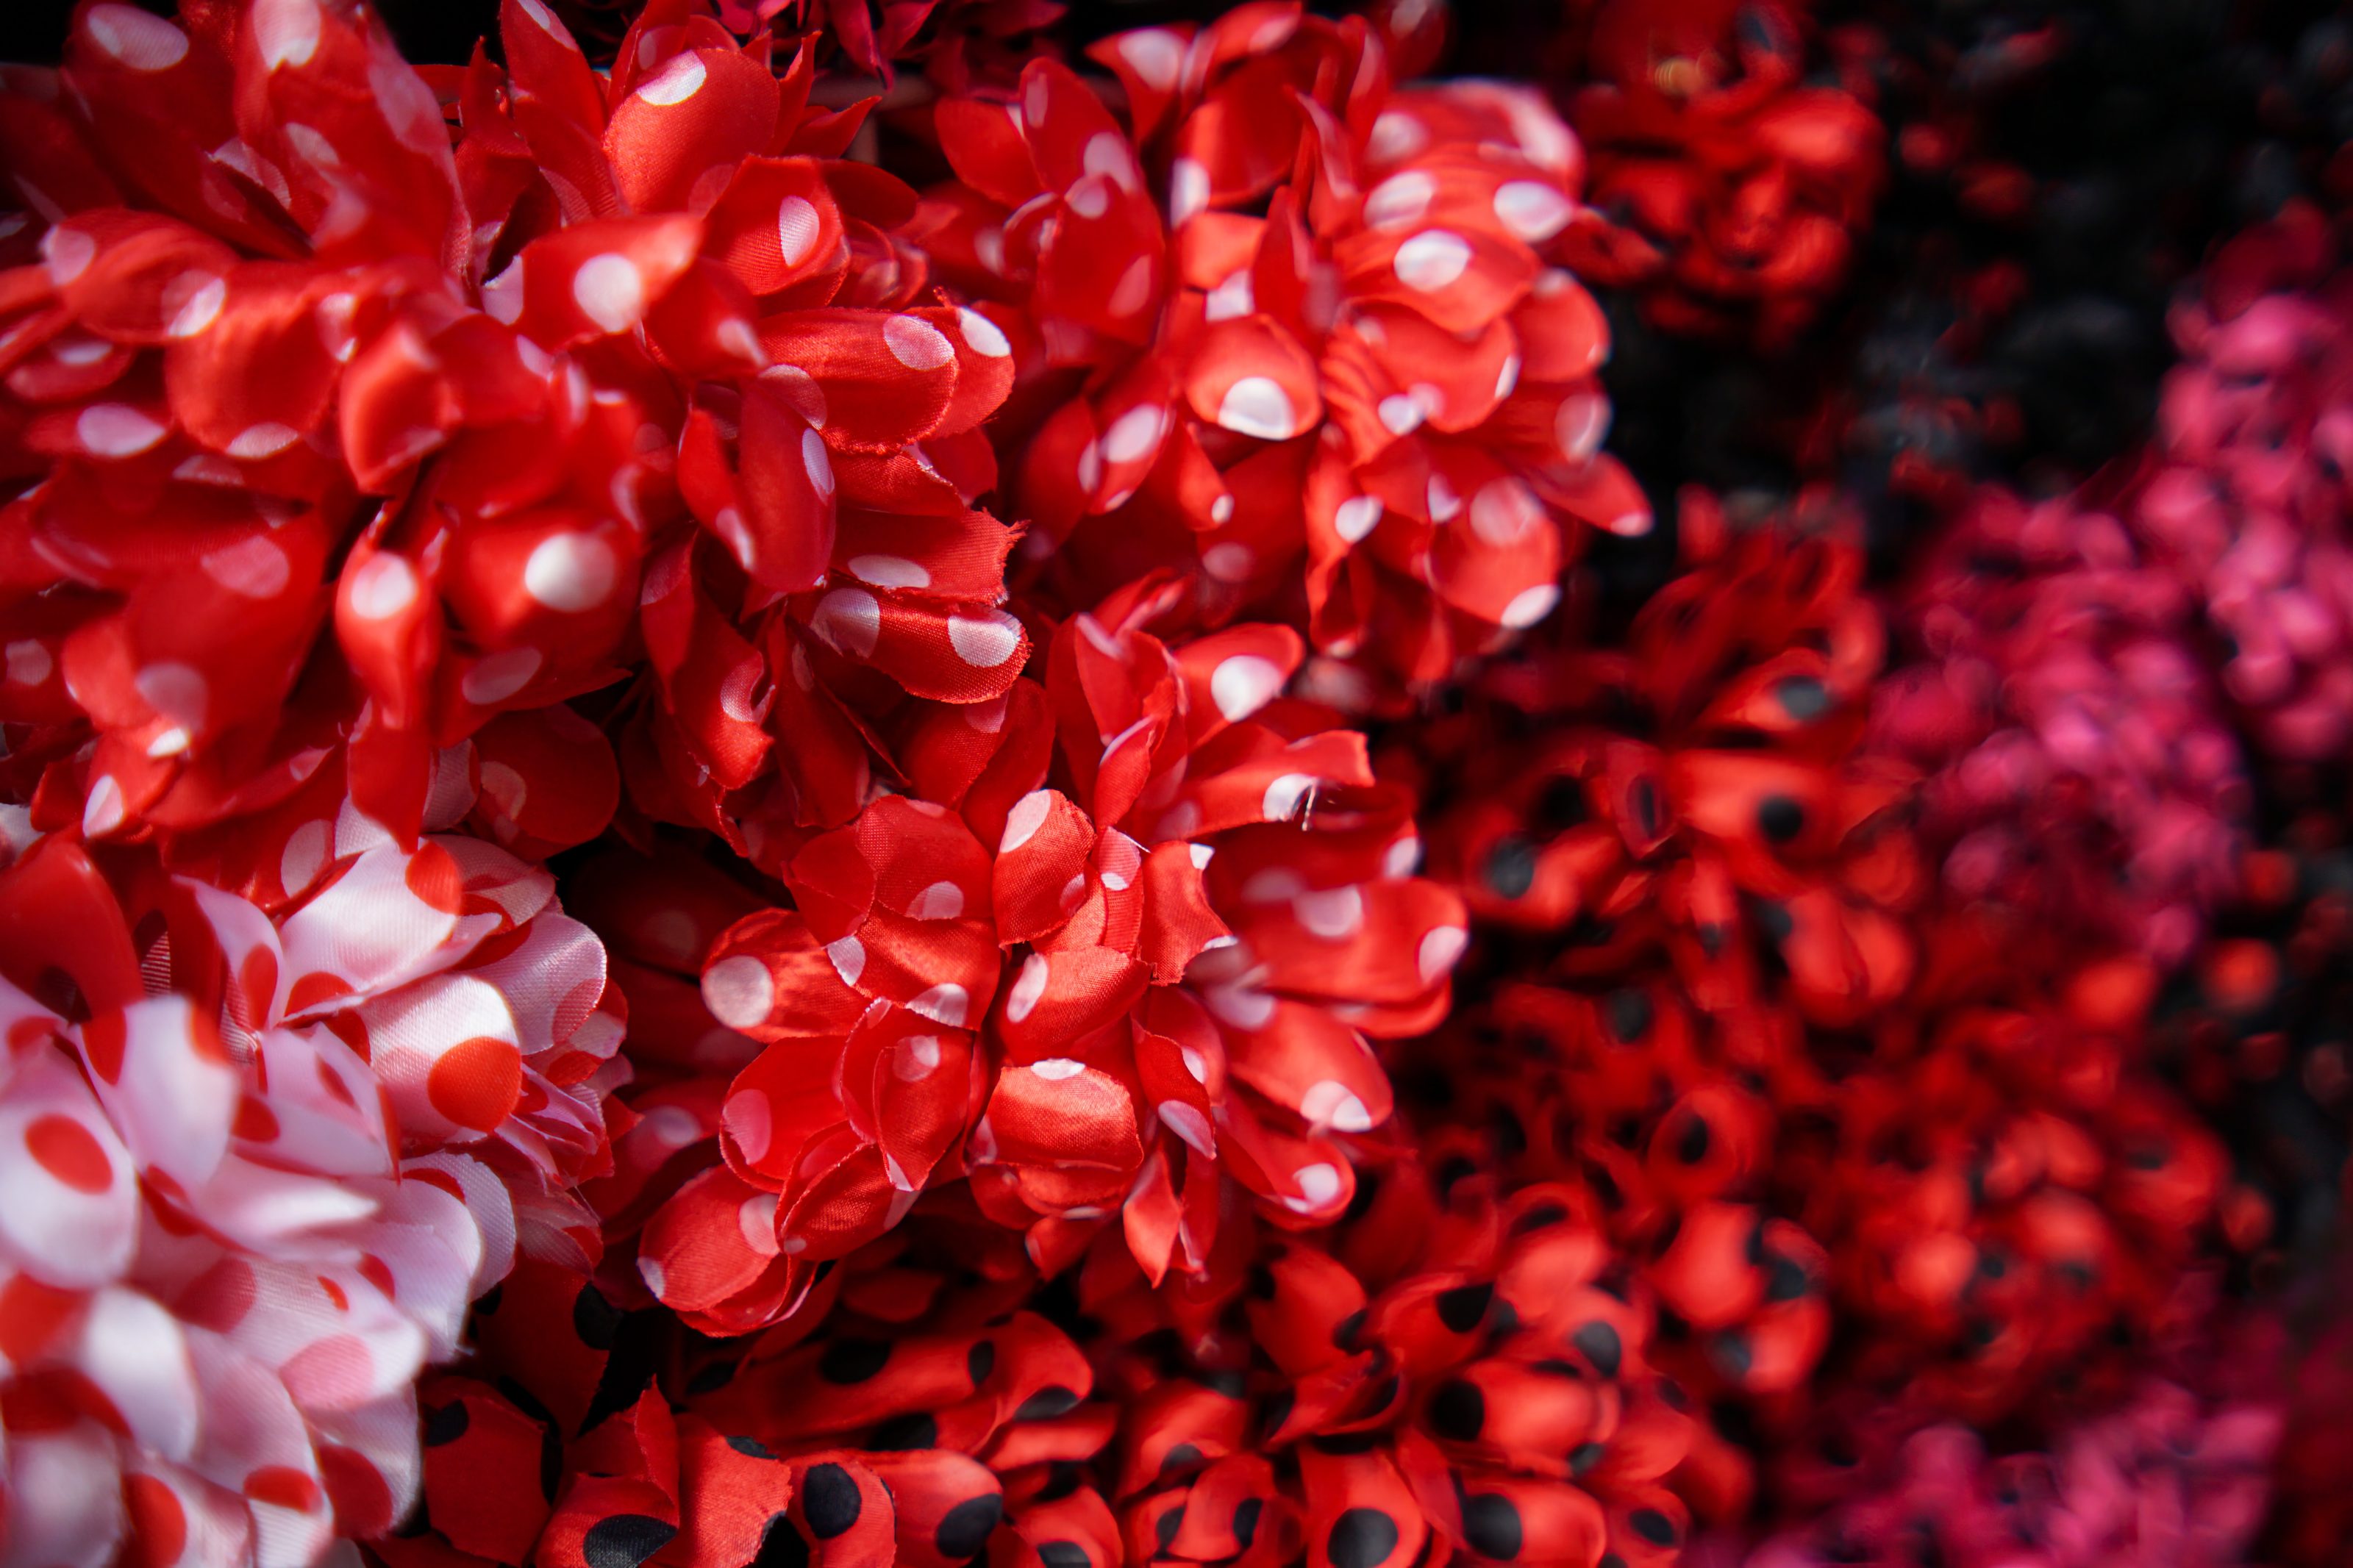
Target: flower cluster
2165 1477
2082 768
1728 190
1278 279
807 784
2248 505
1700 791
1161 975
258 1162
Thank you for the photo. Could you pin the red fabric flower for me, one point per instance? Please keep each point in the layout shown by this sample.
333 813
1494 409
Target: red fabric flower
1387 336
1460 1373
1667 1122
1727 189
1701 789
659 289
951 42
2008 1185
944 1431
979 664
298 369
1166 972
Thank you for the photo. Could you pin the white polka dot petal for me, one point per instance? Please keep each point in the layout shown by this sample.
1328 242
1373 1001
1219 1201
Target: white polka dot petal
849 619
983 335
986 642
890 572
140 39
116 430
1243 684
1357 517
1028 816
1336 914
177 692
286 32
817 464
1441 946
1530 605
675 82
610 291
916 1058
757 1218
1257 406
196 299
1134 434
254 567
382 587
946 1003
1240 1007
1400 200
1229 562
30 663
917 343
739 990
798 227
1187 1122
256 442
1155 55
1329 1103
1286 796
500 676
1505 511
1318 1185
1188 189
102 812
940 901
1532 210
570 571
1028 987
1431 260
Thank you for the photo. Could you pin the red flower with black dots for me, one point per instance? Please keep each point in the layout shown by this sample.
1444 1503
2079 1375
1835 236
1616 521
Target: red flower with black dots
1453 1372
944 1427
1701 790
2006 1187
1668 1120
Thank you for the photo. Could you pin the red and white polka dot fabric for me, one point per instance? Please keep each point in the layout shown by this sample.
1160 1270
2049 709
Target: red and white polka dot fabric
255 1167
717 727
635 371
1379 328
1164 973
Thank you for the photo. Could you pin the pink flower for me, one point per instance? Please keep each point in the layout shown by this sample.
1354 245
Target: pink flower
2247 508
2080 766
